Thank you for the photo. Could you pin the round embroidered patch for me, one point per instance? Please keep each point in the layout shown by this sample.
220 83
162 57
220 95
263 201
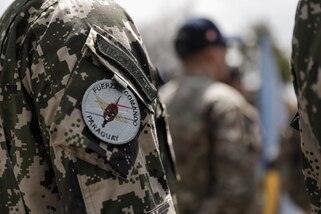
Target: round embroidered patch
111 112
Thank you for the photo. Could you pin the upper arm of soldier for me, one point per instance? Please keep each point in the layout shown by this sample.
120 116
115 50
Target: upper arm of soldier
61 65
93 99
228 122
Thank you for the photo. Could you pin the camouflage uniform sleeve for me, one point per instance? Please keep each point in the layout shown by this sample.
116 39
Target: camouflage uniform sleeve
305 65
60 60
25 182
11 201
234 160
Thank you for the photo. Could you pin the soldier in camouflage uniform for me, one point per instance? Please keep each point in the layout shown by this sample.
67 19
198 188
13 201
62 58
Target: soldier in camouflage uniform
216 133
306 65
78 114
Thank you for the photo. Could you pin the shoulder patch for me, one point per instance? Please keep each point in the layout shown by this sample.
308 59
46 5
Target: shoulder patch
111 112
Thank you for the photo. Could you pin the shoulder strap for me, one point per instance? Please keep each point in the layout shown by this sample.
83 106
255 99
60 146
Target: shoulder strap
123 60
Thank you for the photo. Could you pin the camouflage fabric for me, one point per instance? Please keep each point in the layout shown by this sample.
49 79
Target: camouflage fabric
217 140
289 165
50 162
306 65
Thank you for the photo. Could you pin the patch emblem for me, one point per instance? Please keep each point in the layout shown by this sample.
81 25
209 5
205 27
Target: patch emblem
111 112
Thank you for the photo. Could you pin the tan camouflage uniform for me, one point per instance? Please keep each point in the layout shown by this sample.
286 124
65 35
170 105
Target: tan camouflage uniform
217 140
306 65
50 162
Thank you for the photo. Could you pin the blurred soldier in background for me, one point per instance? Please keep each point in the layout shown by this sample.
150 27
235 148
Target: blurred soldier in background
79 112
306 69
216 133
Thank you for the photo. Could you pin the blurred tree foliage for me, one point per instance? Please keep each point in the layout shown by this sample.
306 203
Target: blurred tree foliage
283 64
281 57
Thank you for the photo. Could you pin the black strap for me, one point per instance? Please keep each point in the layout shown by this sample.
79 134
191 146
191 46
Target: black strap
295 122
